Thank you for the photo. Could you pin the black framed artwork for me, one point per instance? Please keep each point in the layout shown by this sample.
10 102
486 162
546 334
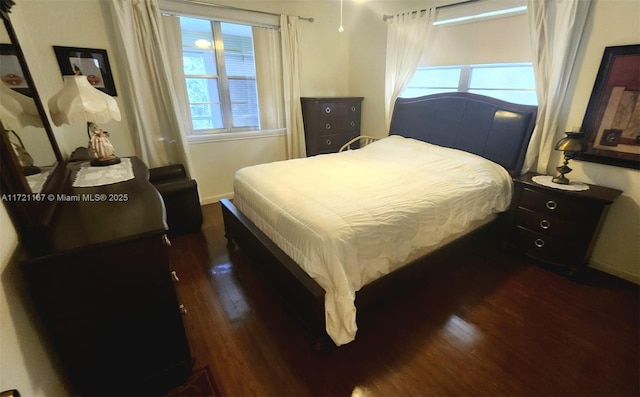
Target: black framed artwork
11 72
612 121
89 62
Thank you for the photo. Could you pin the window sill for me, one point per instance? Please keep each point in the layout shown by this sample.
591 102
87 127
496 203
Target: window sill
234 136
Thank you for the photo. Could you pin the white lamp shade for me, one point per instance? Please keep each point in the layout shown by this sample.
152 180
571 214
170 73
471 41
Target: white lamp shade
79 102
16 110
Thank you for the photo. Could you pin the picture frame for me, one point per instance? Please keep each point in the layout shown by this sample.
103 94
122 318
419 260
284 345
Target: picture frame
612 120
91 62
11 72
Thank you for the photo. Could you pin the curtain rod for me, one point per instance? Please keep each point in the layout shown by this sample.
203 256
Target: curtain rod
385 17
204 3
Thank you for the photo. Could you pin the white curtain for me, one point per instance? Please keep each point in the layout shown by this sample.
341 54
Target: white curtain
268 58
407 36
154 114
556 27
291 79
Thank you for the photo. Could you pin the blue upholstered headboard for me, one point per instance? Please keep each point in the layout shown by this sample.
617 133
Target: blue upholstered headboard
491 128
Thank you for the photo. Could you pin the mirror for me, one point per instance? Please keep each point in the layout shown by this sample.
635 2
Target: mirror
31 162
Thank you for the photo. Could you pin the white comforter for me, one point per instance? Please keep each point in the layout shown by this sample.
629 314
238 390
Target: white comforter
351 217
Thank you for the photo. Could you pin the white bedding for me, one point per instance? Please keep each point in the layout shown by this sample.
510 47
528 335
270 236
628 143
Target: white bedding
351 217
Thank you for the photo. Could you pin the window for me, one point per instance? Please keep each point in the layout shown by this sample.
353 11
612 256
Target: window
512 82
220 75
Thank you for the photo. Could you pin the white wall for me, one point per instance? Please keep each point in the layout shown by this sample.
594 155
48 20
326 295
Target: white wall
216 162
351 63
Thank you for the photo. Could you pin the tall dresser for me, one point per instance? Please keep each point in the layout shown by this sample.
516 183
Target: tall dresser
330 122
104 291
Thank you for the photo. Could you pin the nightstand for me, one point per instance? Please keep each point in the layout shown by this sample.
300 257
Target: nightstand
553 226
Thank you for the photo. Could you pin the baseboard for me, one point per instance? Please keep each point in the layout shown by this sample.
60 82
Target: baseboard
215 199
608 268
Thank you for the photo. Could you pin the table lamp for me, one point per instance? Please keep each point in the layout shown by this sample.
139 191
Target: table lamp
571 144
18 111
79 102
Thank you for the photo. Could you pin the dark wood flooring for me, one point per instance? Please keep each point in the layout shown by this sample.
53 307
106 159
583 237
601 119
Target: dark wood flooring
484 324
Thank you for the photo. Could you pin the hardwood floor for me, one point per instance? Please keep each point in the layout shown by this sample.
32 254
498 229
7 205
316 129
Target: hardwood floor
484 324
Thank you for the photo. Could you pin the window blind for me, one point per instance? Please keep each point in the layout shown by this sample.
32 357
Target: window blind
488 41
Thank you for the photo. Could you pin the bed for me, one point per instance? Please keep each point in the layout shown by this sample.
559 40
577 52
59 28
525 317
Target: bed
333 232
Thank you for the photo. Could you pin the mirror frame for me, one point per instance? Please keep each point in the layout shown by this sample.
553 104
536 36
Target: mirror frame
30 213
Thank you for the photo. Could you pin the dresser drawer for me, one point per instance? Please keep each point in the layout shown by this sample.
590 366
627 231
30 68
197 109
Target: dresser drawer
332 126
559 206
331 143
338 109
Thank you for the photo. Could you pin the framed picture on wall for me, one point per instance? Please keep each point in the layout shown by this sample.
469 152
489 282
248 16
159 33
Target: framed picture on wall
11 72
612 121
89 62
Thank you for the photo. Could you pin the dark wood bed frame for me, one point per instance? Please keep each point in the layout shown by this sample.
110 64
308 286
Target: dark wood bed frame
497 130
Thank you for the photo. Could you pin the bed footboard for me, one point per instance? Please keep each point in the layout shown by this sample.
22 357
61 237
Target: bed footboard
304 297
361 140
299 292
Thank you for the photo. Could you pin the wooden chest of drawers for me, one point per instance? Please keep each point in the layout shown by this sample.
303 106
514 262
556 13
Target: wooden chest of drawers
554 226
330 122
104 293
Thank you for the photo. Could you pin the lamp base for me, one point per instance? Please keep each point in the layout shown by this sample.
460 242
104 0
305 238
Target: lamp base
105 161
561 179
562 169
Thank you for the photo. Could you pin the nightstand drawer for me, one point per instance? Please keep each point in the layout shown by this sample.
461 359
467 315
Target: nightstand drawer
560 206
545 248
549 225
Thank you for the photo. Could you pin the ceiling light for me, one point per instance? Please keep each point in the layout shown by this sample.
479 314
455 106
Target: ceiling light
202 43
340 29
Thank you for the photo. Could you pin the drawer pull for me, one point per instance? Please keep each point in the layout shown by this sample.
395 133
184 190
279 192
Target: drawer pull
539 242
183 309
327 126
552 205
328 142
166 241
327 110
353 123
545 224
174 276
353 108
